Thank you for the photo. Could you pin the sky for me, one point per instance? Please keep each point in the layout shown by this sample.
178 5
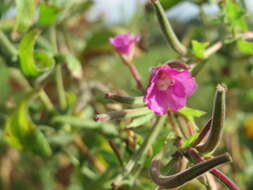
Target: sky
116 10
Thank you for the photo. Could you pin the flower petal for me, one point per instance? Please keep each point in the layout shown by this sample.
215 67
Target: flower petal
187 81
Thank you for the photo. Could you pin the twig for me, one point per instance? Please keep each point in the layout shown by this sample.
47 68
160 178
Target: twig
139 155
127 113
117 153
134 71
85 151
218 45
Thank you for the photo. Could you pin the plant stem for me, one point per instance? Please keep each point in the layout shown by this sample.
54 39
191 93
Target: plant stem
139 155
60 87
46 101
134 71
5 42
117 153
125 99
127 113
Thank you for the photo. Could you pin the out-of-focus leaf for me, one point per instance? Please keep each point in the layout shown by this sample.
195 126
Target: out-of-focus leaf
191 112
234 15
73 65
198 49
245 46
22 133
190 140
99 40
4 82
28 58
48 14
76 122
141 120
169 3
25 14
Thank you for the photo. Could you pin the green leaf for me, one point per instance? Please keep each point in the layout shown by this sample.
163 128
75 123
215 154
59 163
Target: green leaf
22 133
234 15
4 82
140 120
198 49
245 46
190 140
25 14
28 58
169 3
190 112
73 65
48 14
98 41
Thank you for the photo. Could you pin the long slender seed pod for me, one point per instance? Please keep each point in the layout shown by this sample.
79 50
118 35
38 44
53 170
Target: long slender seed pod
176 180
167 29
218 117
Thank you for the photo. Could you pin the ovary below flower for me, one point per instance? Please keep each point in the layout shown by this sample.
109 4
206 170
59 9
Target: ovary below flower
168 89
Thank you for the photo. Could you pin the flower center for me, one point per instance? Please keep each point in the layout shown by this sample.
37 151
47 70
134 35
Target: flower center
164 82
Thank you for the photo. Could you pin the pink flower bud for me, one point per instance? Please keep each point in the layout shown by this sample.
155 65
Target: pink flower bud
168 89
124 43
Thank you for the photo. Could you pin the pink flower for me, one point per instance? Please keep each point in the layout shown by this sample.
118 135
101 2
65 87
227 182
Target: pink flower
168 89
124 43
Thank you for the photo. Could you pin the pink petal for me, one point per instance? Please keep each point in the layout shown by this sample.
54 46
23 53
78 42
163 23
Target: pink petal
187 81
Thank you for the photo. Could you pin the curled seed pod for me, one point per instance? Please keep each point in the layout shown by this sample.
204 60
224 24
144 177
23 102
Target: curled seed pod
176 180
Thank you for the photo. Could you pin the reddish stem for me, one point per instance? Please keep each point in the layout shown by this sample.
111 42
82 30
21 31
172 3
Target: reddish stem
203 133
217 173
135 73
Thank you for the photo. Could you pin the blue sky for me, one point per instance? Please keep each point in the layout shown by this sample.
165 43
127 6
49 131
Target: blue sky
114 10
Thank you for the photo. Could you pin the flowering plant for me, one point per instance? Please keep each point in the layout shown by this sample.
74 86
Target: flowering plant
168 89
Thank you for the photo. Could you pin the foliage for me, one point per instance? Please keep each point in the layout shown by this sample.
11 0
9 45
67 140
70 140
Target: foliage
72 117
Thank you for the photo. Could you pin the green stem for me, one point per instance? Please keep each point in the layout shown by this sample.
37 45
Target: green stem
133 163
168 30
46 101
60 87
52 33
5 42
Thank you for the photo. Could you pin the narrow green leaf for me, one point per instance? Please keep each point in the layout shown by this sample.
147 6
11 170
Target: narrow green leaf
245 46
140 120
77 122
190 112
22 133
25 14
28 58
48 14
73 65
198 49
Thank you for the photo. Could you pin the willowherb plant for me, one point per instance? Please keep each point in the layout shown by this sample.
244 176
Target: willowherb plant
56 65
166 94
